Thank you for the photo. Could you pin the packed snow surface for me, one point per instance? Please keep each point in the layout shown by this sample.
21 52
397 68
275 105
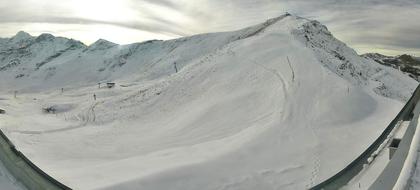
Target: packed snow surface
280 105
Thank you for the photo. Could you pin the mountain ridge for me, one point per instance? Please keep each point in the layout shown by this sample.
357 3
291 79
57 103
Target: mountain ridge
26 55
405 63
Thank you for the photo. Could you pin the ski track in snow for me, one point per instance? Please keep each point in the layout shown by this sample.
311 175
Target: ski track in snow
280 78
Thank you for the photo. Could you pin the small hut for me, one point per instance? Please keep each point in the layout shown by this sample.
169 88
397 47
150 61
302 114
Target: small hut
110 84
2 111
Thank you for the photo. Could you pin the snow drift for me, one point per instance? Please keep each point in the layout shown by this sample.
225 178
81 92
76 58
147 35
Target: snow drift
279 105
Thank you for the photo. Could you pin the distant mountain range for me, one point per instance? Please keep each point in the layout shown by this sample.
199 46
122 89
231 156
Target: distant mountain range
405 63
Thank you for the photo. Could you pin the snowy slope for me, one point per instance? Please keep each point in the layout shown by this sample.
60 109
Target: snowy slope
23 57
280 105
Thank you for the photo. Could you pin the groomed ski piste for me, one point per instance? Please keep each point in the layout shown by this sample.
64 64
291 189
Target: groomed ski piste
279 105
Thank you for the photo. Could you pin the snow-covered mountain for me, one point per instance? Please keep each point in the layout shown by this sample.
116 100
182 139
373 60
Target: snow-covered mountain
405 63
22 57
274 106
28 62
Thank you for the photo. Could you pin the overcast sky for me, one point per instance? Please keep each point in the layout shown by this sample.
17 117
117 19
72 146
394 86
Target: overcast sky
385 26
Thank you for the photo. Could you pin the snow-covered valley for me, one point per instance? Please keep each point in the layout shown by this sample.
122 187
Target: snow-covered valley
280 105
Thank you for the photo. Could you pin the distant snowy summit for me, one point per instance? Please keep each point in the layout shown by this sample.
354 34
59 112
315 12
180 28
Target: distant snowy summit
46 61
21 36
101 44
405 63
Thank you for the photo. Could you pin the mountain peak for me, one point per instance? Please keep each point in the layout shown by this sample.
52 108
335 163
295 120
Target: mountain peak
285 21
408 59
102 44
376 56
21 35
45 37
103 41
